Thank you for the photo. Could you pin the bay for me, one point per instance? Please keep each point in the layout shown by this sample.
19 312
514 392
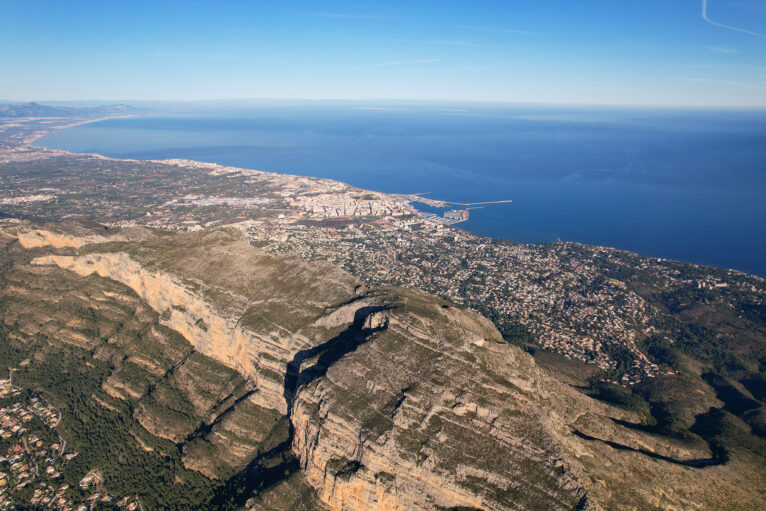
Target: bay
676 184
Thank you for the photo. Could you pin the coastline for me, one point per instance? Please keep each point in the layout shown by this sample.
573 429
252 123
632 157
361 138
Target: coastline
38 136
558 296
405 199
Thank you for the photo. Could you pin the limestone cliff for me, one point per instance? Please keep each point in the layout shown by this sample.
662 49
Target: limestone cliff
388 398
214 315
412 420
432 411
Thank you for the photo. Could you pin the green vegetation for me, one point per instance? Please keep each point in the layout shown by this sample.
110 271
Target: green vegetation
104 438
125 350
618 396
143 408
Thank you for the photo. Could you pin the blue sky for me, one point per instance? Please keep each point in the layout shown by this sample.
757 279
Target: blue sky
645 52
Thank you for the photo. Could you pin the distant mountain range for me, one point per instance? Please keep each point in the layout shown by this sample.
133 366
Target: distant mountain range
33 109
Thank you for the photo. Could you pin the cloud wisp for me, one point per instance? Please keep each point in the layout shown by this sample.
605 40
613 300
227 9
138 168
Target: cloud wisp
495 29
728 83
725 50
727 67
393 63
440 42
728 27
348 16
405 62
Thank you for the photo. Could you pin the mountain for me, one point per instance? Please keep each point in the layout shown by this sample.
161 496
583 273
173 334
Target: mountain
197 371
33 109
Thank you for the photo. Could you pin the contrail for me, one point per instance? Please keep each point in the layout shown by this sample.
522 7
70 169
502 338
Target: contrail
729 27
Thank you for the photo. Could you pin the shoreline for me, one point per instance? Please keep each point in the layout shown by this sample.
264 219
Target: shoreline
404 198
37 137
570 298
407 199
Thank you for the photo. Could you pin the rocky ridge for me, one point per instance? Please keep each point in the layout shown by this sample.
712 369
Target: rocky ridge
395 399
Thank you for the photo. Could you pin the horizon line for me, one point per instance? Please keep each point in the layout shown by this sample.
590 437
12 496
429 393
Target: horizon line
689 106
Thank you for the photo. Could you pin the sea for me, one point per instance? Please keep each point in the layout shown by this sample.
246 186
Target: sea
688 185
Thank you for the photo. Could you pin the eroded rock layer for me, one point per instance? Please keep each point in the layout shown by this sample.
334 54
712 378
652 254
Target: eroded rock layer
387 398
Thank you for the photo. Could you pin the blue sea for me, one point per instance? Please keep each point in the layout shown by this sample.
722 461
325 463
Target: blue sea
676 184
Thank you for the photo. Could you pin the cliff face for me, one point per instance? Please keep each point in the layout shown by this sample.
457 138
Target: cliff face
388 398
412 419
211 332
210 298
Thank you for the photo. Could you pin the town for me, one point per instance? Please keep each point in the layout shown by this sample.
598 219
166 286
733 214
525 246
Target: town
33 459
582 302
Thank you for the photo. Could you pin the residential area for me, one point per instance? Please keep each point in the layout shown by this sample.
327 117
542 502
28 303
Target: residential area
583 302
33 459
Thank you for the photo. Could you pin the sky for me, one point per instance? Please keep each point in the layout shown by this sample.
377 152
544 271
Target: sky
709 53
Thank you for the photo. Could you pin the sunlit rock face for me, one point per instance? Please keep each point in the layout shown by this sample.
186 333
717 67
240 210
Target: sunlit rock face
234 304
417 417
386 398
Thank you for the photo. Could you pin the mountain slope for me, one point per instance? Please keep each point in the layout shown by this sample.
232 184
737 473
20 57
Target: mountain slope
33 109
245 372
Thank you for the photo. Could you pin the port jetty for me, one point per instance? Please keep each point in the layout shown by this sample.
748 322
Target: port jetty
453 216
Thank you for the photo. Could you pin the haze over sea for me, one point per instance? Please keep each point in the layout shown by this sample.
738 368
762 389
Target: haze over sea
676 184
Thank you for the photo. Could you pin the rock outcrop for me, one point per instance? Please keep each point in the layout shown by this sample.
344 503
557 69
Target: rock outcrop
250 327
389 399
413 419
